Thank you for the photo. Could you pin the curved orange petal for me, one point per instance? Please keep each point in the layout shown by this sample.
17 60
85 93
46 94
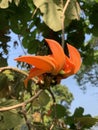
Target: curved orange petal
33 72
73 62
57 53
75 57
68 68
40 62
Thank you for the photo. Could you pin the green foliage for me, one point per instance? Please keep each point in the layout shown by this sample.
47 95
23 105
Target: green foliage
13 92
63 95
80 121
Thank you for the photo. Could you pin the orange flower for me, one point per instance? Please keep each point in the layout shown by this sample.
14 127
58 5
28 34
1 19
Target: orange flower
45 64
54 63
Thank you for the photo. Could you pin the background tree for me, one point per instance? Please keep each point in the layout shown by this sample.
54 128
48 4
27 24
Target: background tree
65 21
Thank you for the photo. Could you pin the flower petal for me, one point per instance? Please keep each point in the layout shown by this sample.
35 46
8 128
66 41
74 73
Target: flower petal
40 62
73 62
33 72
57 53
75 57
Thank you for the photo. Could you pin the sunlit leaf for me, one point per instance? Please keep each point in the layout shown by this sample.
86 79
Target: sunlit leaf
5 4
52 12
17 2
9 74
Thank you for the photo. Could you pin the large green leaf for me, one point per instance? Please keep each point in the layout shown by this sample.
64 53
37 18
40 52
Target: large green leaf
58 111
52 12
44 98
9 120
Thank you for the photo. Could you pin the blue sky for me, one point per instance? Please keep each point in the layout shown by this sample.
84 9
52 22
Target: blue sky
89 100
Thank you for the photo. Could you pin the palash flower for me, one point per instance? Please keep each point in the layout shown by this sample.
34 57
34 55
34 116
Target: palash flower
56 63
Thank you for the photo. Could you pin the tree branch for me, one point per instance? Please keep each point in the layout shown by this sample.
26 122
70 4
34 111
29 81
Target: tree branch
16 70
63 19
25 117
23 103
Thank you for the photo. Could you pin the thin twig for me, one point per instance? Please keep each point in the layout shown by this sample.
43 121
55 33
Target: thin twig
51 127
65 7
16 70
23 103
34 12
63 19
25 117
52 95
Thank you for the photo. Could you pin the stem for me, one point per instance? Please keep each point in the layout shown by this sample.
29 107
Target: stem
34 12
16 70
25 117
23 103
63 19
52 95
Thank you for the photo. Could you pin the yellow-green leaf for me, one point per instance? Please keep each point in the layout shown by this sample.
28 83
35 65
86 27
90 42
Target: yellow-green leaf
52 12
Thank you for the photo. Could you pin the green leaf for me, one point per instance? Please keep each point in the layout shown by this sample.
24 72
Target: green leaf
52 12
78 112
9 74
44 98
86 122
9 120
58 111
